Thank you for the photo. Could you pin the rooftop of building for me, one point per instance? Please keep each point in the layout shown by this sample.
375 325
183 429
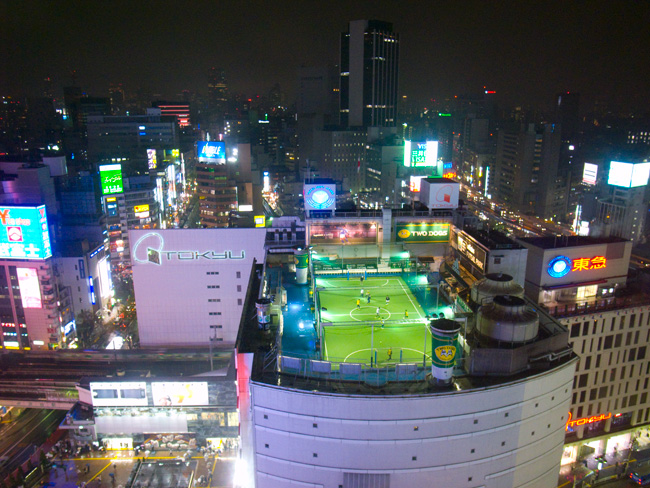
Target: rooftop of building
493 239
342 334
559 242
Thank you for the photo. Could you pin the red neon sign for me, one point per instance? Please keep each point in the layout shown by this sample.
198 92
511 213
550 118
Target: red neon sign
587 420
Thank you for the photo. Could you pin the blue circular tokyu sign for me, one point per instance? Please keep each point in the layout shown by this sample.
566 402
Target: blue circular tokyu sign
559 266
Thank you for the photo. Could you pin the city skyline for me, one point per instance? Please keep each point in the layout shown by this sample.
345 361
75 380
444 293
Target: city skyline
526 52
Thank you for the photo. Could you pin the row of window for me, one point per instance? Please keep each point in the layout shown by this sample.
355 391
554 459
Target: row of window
578 329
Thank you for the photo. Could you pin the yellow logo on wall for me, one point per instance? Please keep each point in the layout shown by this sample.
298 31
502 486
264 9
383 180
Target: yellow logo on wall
445 353
404 233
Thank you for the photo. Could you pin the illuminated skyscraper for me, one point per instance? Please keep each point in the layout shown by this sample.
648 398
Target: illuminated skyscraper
369 80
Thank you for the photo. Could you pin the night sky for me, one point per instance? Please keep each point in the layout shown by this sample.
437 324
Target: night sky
527 50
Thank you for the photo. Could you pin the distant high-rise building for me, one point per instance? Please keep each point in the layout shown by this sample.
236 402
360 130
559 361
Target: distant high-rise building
527 176
567 115
217 90
369 74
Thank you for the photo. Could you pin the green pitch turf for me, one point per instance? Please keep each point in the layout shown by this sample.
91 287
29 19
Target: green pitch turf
351 338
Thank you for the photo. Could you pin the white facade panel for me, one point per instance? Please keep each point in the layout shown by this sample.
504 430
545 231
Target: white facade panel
499 436
187 280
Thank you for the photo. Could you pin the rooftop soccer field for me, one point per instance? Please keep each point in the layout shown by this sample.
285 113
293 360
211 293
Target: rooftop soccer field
378 320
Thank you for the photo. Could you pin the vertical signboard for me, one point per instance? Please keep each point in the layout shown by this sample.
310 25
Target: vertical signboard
111 178
30 290
24 233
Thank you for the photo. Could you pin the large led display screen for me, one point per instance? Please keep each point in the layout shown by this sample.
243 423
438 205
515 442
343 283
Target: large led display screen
30 290
343 233
422 232
111 178
118 394
211 151
24 233
320 196
628 175
419 154
179 393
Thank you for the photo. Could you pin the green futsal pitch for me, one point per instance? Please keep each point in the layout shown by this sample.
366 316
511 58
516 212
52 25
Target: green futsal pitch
356 330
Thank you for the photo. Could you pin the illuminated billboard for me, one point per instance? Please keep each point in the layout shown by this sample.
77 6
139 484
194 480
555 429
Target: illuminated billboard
211 151
30 289
470 249
104 273
414 183
343 233
141 211
628 175
151 159
118 394
419 154
24 233
417 232
179 393
320 196
260 220
590 174
111 178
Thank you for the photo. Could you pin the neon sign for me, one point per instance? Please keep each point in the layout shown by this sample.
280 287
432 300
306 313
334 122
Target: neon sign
561 266
587 420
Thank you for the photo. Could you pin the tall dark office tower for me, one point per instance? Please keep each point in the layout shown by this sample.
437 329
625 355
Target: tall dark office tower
217 89
369 67
567 115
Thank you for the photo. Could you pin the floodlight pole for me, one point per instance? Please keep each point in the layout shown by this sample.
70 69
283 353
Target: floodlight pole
424 351
372 341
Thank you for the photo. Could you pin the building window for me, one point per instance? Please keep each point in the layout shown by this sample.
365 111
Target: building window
213 300
238 274
238 287
212 287
215 313
239 301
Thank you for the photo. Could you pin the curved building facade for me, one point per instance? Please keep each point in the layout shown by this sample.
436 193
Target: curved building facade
504 435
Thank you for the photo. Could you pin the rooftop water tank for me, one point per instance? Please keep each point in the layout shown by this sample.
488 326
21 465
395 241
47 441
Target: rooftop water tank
495 284
508 319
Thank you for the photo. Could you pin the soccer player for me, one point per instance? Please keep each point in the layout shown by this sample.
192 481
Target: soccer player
387 299
368 297
377 312
406 314
362 292
358 303
390 353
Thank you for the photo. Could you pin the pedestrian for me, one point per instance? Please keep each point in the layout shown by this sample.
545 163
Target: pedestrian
368 297
358 303
387 299
406 314
390 353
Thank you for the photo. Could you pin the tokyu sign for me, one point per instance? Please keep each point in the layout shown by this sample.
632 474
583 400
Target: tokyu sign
422 232
150 248
560 266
